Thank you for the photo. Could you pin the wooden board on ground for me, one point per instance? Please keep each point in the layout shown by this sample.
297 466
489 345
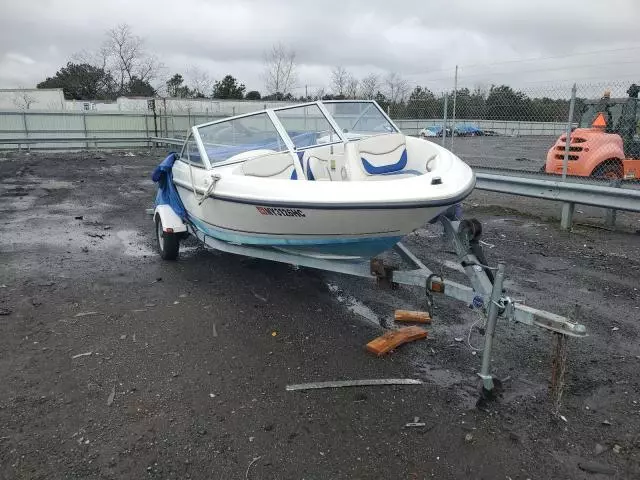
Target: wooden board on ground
412 316
394 338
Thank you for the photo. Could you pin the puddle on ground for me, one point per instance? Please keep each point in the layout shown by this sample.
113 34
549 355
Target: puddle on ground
112 169
52 184
440 376
354 305
73 208
188 251
17 204
133 244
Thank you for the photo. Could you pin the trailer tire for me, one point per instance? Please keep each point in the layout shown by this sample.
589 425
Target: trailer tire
168 243
610 168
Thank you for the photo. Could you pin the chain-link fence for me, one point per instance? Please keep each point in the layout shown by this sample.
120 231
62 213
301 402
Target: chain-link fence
525 130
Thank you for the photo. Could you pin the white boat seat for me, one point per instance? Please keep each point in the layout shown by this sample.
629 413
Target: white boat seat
316 166
277 165
384 155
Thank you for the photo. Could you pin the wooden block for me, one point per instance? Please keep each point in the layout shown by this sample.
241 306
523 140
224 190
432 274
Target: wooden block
394 338
412 316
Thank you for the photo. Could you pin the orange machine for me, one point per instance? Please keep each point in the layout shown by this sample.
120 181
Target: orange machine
605 144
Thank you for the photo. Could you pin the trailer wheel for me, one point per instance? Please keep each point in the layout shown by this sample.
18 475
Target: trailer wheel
168 243
611 168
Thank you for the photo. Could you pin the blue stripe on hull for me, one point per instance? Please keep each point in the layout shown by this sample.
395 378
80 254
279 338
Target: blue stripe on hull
363 247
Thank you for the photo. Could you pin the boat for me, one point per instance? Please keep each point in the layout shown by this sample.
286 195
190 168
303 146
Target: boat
328 179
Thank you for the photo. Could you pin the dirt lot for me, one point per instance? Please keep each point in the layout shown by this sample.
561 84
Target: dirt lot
115 364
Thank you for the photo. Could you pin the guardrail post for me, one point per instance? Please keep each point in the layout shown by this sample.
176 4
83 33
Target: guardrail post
610 213
146 129
610 218
84 124
567 215
567 208
26 131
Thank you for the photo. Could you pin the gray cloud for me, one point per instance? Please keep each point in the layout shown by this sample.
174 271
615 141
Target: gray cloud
422 41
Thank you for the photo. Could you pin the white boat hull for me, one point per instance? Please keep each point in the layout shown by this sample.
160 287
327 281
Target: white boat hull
321 196
347 231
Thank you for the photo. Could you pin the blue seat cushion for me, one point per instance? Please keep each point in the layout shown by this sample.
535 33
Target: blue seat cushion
385 169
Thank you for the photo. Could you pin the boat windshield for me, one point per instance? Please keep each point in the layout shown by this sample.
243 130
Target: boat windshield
225 139
306 126
359 119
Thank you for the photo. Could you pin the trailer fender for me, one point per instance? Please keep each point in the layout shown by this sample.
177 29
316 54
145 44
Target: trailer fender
171 222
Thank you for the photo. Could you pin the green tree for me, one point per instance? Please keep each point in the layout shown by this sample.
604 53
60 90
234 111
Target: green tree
252 95
228 87
176 87
139 88
505 103
82 82
422 104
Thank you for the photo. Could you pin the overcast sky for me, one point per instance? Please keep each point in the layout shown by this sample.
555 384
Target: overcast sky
421 40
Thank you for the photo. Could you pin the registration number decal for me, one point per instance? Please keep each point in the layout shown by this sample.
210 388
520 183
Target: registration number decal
281 212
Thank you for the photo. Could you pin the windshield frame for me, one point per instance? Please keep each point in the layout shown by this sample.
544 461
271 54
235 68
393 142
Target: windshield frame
272 114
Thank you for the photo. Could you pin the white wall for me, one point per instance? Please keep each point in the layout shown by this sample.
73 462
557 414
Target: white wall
32 99
173 105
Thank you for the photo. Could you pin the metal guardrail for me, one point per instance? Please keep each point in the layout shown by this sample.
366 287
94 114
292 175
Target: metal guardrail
167 141
94 140
538 175
89 141
562 191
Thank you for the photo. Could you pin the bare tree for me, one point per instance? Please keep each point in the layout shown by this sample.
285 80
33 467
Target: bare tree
319 93
397 87
280 74
351 90
23 99
123 55
339 80
369 86
200 81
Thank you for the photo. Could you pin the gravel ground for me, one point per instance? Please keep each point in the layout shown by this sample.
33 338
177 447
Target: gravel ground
527 153
115 364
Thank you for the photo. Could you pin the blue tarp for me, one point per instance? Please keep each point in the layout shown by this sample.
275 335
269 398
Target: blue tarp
466 128
167 193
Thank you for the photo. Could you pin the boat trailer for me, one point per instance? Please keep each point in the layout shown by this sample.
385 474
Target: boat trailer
486 293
